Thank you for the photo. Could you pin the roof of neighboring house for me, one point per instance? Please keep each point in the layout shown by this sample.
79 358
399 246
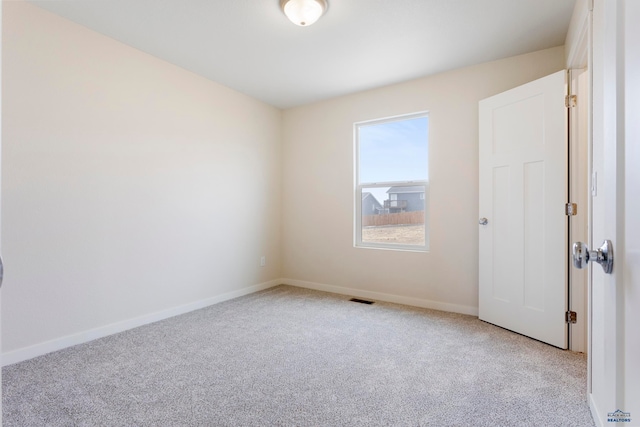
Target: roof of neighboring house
407 189
367 194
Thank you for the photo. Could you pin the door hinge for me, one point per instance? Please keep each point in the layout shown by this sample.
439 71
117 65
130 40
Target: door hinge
571 317
570 101
570 209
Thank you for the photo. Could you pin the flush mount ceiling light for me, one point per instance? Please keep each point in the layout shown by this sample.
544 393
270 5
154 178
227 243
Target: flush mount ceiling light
303 12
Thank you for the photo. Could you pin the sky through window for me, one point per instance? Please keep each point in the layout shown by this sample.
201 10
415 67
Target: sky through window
393 151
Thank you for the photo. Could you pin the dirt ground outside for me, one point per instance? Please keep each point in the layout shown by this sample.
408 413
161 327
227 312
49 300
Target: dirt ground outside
398 234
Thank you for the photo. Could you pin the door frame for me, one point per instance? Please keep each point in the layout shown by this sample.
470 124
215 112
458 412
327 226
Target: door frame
577 61
579 149
1 3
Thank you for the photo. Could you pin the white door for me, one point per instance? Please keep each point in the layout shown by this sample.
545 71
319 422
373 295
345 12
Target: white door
630 250
605 361
523 190
615 341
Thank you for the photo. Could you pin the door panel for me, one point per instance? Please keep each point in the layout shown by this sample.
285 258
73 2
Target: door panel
533 187
500 236
523 189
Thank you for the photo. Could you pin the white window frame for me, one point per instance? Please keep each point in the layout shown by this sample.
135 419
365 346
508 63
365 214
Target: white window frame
358 243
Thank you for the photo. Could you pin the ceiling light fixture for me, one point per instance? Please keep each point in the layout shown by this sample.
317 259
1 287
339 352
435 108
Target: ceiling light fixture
303 12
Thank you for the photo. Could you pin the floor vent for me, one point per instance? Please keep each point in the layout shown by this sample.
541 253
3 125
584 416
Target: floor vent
361 301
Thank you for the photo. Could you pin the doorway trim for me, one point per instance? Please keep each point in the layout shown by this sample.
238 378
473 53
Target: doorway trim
578 59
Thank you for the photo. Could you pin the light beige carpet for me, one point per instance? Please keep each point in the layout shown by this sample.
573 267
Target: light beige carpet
294 357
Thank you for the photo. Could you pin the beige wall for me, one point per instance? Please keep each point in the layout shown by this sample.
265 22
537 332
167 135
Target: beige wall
129 186
133 190
318 189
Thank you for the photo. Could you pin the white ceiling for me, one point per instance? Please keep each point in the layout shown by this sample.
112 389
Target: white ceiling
250 46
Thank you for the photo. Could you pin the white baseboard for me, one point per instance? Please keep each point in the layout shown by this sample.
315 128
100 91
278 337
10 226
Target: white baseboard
40 349
594 411
36 350
416 302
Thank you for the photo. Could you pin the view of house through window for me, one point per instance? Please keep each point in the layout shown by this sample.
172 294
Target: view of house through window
392 182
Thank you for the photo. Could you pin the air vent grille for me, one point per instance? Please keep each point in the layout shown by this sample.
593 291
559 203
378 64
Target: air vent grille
361 301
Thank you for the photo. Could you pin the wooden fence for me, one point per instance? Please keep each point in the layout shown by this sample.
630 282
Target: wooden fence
402 218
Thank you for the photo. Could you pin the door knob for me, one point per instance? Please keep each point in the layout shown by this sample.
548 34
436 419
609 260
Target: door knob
603 255
483 221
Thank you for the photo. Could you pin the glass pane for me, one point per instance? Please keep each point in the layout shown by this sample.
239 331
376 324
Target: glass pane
393 151
393 215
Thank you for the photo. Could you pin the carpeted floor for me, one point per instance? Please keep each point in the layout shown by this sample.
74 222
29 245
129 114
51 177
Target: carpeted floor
295 357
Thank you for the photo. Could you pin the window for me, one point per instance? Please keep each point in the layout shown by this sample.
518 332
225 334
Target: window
392 174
